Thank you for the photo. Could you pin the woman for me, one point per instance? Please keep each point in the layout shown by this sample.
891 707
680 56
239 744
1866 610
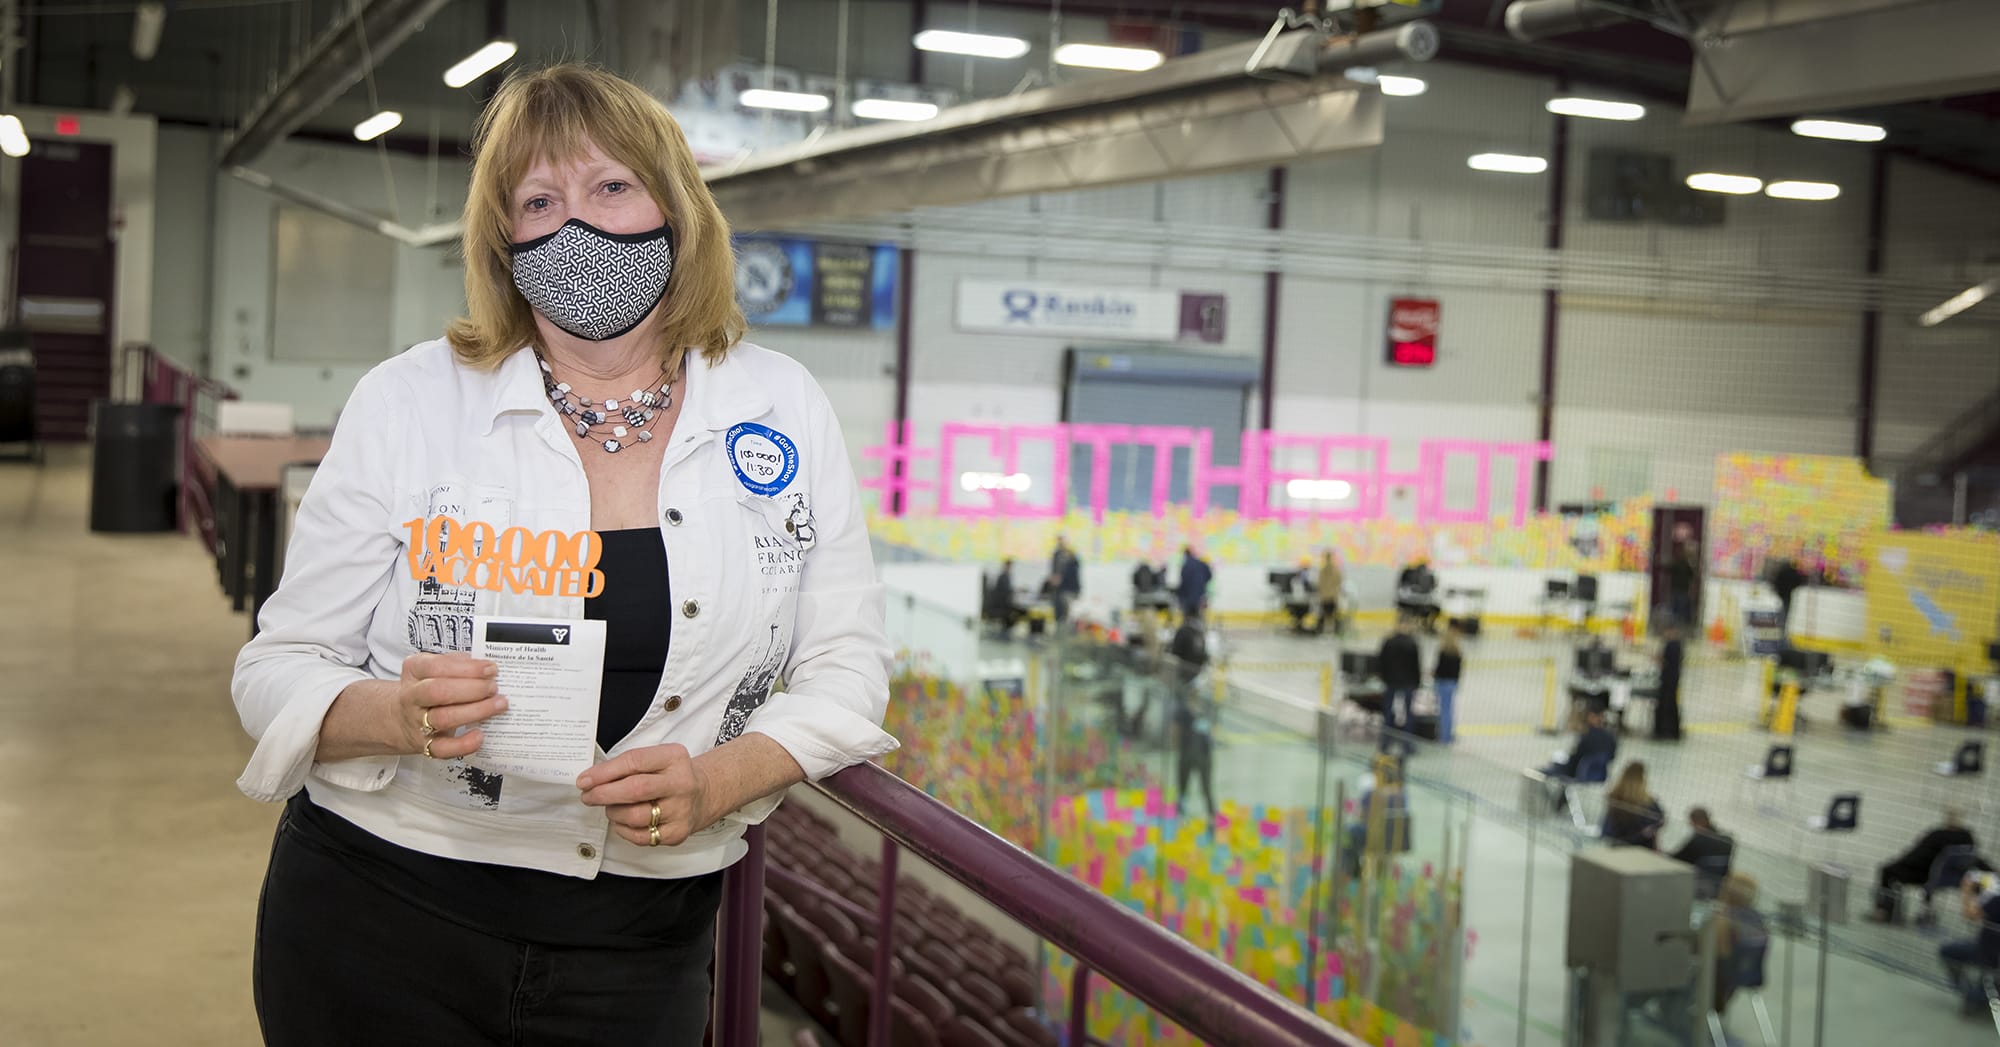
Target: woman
1631 815
590 443
1445 672
1329 582
1740 939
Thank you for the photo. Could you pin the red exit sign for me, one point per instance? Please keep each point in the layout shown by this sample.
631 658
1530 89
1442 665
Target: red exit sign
68 126
1412 332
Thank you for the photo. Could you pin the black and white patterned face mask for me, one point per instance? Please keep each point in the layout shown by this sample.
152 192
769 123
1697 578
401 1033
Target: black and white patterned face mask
591 283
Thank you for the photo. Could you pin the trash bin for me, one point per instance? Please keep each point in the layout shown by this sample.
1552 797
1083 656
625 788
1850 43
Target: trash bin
134 452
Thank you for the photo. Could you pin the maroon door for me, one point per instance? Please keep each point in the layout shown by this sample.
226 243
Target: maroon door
66 277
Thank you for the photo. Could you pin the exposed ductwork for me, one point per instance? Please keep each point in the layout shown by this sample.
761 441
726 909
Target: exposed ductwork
1250 105
433 235
336 61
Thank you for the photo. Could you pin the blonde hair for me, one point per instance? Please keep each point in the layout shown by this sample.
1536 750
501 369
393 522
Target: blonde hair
1630 790
1738 892
553 114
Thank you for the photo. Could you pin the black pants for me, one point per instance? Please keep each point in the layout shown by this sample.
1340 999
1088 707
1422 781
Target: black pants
1196 761
1890 883
342 961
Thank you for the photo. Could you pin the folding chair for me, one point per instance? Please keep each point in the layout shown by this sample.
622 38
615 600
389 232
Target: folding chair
1968 762
1776 770
1843 815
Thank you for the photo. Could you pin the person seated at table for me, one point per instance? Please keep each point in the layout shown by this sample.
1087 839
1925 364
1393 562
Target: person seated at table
1596 743
1298 593
1632 816
1969 961
1416 593
1708 849
1912 868
1003 607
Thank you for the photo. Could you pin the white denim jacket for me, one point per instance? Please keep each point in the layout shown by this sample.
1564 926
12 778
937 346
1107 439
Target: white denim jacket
768 563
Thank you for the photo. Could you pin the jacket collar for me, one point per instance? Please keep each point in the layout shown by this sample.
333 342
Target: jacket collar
728 392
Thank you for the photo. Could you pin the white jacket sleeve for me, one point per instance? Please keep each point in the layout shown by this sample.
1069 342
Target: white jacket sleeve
312 638
837 680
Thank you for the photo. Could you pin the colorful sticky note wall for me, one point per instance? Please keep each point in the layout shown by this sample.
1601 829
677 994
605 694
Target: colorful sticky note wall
1242 892
1814 510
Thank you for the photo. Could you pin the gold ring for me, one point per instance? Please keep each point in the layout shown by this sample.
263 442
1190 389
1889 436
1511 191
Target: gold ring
655 830
428 729
427 750
655 823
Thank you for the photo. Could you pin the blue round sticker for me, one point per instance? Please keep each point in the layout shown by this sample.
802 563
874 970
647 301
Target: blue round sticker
765 459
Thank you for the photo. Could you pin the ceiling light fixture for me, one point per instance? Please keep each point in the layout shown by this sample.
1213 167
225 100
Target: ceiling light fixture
1839 130
1507 163
1306 490
1401 86
378 125
1951 307
893 109
1734 185
1802 190
1105 56
13 137
148 20
978 45
790 101
479 63
1595 108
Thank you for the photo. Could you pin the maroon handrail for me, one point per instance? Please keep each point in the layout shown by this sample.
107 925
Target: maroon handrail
1215 1002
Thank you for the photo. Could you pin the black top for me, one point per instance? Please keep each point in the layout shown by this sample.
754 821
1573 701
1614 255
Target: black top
542 907
1449 665
1597 742
1933 845
1707 845
1400 664
637 628
1634 826
1671 657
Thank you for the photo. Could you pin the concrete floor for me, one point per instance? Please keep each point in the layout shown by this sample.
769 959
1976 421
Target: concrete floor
128 889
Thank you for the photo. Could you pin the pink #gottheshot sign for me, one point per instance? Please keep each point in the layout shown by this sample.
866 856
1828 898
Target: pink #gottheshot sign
1254 478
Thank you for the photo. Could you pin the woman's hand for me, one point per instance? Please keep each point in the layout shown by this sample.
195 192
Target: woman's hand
440 693
654 796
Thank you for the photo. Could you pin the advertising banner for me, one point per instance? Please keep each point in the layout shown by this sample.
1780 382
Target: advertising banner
800 283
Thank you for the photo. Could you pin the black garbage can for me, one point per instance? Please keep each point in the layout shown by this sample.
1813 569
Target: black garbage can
134 451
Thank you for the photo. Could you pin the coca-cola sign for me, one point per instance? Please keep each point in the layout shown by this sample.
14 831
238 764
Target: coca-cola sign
1413 330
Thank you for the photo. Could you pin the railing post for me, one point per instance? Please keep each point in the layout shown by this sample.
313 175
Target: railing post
885 947
740 940
1079 1006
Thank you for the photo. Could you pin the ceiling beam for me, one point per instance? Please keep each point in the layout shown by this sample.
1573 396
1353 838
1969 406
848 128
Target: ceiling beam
336 61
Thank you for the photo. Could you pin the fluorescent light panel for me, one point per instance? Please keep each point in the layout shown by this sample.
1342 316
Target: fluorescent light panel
790 101
1957 303
1507 163
978 45
1318 490
378 125
13 137
893 109
1734 185
1802 190
1839 130
1105 56
1401 86
1596 108
479 63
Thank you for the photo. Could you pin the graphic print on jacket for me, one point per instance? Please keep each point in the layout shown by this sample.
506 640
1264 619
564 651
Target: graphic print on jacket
753 689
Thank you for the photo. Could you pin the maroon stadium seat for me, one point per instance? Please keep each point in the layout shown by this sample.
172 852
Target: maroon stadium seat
926 997
1029 1028
964 1032
1019 985
943 957
975 994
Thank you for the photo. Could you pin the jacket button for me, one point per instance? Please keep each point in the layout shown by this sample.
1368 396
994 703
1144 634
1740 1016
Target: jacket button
674 703
674 517
586 851
690 609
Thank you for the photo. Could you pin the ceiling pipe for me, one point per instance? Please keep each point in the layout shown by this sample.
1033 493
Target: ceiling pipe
433 235
1532 20
336 61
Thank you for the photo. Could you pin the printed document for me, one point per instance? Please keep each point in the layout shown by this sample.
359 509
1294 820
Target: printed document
551 670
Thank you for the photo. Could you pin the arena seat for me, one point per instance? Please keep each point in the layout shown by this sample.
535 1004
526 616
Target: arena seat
964 1032
1019 985
975 994
926 997
1029 1027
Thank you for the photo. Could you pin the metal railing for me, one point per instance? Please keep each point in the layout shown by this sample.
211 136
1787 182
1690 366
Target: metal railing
1203 995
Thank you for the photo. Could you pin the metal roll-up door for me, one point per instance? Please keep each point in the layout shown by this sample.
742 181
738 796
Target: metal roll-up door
1126 387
